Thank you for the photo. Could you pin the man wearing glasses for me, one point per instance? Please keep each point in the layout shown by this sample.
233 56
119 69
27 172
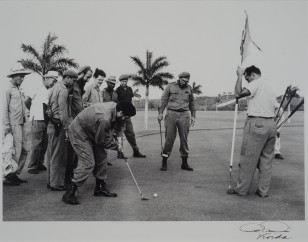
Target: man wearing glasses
181 112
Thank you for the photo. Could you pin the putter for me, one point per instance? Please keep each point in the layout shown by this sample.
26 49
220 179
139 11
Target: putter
233 140
293 111
142 197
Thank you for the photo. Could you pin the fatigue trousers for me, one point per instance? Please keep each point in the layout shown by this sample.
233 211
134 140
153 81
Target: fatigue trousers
257 151
176 121
39 141
56 156
20 145
130 134
91 158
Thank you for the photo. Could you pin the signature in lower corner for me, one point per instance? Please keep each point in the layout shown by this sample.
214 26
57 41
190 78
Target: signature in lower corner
268 230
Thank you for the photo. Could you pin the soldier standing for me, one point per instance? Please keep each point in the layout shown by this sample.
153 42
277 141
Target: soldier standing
179 100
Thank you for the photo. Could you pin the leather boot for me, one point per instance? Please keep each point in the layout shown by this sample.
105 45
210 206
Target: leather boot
185 165
102 190
69 196
121 156
138 154
164 164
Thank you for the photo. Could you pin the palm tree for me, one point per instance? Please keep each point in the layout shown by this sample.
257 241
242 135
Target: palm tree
51 59
136 95
196 89
149 74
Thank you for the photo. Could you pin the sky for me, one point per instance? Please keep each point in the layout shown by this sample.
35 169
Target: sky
200 37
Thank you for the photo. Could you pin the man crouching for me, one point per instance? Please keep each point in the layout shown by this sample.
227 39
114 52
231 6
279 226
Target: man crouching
90 133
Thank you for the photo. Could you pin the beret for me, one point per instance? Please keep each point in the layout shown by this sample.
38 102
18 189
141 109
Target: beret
84 68
184 75
71 73
124 77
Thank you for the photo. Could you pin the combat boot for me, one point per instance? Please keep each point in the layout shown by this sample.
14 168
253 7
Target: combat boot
102 190
69 196
164 164
185 165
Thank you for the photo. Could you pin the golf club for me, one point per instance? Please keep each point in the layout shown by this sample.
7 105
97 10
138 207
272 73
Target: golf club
293 111
233 141
292 94
142 197
282 101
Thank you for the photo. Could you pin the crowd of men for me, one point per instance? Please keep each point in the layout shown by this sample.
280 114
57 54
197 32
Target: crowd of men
74 127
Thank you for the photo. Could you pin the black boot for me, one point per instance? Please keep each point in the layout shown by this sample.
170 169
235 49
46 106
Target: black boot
164 164
69 196
101 189
185 165
138 154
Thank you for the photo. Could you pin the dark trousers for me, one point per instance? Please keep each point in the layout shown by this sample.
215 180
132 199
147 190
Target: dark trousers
39 141
130 134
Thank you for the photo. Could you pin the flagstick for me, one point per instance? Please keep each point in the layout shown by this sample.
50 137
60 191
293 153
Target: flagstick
233 141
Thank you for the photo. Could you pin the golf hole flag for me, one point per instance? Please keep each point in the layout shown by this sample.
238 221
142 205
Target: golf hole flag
247 41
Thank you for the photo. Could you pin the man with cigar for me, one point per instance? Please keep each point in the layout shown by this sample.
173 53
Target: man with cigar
90 134
181 113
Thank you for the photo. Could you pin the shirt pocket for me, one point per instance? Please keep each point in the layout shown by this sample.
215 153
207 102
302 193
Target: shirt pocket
174 95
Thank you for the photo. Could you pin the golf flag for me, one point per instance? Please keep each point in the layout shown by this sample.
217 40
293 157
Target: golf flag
246 41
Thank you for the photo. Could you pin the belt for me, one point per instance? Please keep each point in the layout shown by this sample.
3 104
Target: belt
178 111
259 117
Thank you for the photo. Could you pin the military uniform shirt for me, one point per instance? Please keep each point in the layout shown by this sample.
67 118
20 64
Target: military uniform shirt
178 99
58 101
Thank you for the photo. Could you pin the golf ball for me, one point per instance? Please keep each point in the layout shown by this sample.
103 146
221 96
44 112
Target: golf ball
155 195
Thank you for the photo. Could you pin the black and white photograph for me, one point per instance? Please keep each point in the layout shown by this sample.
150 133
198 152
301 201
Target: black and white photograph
153 120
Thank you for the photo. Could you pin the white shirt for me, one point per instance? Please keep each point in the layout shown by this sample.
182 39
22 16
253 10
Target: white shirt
39 96
262 101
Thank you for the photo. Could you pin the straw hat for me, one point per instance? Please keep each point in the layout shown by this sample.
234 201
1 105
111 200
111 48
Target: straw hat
52 74
18 69
111 79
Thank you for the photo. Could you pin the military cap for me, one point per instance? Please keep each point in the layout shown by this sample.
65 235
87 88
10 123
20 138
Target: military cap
111 79
124 77
84 69
184 75
70 72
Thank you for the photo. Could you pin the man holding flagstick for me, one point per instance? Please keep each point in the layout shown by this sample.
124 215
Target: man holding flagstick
259 134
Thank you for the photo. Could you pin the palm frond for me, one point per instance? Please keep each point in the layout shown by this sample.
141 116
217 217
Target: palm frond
159 66
158 60
31 50
196 88
158 81
138 62
138 80
66 63
57 50
30 65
